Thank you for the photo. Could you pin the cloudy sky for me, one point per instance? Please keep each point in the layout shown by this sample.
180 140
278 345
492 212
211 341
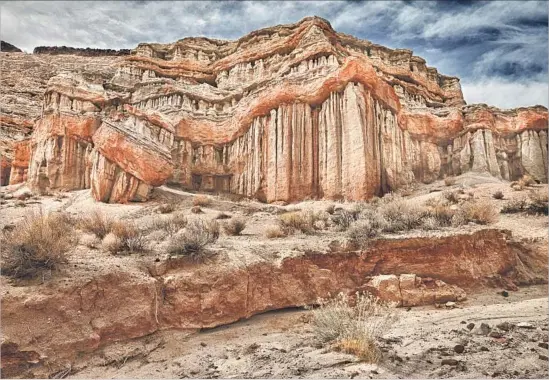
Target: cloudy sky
498 49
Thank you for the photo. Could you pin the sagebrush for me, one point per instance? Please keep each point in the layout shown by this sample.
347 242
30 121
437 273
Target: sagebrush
37 244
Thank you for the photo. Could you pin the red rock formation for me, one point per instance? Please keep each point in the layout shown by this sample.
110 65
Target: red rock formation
80 314
283 114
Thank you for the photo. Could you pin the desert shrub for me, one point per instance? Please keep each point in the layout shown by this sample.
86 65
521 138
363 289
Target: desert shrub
479 211
196 210
125 237
166 208
514 206
361 232
342 219
353 326
401 215
451 196
498 195
171 224
303 221
196 236
234 227
449 181
527 180
37 244
442 213
222 215
538 202
356 209
96 223
430 223
202 200
275 232
330 209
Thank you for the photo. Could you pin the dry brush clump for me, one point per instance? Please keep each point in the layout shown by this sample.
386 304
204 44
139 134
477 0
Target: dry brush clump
171 225
304 221
498 195
202 200
234 227
125 237
479 211
37 244
353 325
524 182
537 203
192 241
275 232
96 223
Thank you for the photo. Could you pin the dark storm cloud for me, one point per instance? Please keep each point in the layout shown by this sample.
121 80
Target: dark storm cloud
498 49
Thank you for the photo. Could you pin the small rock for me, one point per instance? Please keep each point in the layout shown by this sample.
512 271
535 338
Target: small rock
543 345
471 326
505 293
452 362
459 348
463 322
525 325
203 344
354 374
485 328
505 326
543 357
450 305
495 334
484 349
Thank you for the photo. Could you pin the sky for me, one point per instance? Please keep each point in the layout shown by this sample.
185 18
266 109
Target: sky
497 48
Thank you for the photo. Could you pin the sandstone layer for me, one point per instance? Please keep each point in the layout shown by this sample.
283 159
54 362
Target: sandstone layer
54 322
285 113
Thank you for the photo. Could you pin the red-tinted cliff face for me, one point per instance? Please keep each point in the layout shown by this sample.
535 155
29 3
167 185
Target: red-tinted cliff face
283 114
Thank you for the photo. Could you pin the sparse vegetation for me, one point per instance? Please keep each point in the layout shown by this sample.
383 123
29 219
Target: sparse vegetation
196 210
524 182
202 200
353 326
479 211
196 236
361 232
538 202
275 232
330 209
171 224
449 181
125 237
451 196
166 208
37 244
303 221
234 227
514 206
498 195
343 219
97 223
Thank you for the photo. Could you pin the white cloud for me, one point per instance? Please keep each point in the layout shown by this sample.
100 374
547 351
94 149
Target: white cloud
506 94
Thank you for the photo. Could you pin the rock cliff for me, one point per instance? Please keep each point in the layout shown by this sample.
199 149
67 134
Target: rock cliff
283 114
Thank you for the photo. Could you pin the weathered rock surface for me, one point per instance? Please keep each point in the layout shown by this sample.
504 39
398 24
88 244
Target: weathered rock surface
412 290
59 319
285 113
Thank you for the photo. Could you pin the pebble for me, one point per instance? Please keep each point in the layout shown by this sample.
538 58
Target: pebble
450 304
471 326
543 357
484 349
543 345
505 293
495 334
525 325
203 344
459 348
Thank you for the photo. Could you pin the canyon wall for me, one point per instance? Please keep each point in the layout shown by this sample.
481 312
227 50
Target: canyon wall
285 113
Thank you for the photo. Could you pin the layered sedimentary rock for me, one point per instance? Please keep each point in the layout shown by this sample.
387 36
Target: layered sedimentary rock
285 113
55 323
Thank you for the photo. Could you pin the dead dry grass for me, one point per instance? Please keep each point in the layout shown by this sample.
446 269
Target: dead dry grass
192 241
234 227
202 200
353 325
37 244
96 223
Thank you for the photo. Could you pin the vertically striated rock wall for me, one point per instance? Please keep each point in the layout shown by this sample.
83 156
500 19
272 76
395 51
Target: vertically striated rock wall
283 114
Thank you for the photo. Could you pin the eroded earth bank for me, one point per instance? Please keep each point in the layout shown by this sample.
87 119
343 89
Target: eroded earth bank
150 314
